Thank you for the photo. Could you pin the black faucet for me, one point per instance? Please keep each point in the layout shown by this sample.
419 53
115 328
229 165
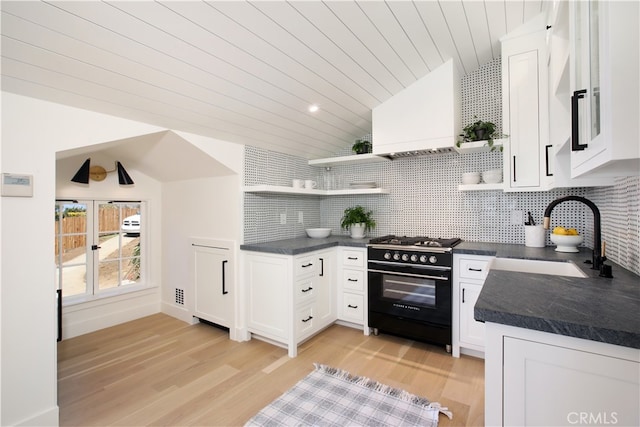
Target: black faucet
598 257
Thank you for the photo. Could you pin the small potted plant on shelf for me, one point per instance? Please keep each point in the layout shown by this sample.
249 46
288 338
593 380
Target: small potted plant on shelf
361 146
480 130
357 220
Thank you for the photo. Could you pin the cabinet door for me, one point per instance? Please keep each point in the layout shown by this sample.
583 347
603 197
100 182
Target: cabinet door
471 331
325 306
214 288
524 119
269 297
547 385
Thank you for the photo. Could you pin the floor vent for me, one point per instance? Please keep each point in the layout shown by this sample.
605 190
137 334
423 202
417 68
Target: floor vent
179 296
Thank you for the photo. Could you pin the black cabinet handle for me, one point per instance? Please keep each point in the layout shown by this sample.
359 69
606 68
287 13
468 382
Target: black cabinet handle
463 295
352 306
575 130
321 267
224 281
514 168
59 293
475 269
351 280
307 319
307 265
352 258
546 159
307 290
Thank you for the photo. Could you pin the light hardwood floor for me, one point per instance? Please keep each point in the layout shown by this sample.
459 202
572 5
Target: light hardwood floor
161 371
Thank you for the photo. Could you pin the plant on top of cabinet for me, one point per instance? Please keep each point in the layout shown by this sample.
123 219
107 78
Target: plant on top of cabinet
480 130
361 146
357 220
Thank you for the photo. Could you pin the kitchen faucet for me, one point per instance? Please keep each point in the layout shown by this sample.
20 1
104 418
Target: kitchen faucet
598 257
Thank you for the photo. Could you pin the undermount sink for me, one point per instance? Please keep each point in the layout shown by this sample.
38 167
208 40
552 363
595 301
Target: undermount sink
553 268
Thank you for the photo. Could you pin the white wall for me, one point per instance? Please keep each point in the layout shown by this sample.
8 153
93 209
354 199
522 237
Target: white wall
32 132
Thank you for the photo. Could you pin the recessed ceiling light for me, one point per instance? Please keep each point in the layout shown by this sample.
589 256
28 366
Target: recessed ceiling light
313 108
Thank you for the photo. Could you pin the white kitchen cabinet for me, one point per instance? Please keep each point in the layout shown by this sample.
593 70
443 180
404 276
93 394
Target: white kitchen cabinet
525 115
214 282
543 379
290 298
605 85
352 286
469 274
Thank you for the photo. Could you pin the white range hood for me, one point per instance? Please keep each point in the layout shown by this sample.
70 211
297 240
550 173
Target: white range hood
423 118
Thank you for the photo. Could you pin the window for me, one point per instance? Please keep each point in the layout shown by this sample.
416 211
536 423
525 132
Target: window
99 250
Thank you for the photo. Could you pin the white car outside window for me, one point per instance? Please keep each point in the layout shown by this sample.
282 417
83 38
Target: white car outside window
131 224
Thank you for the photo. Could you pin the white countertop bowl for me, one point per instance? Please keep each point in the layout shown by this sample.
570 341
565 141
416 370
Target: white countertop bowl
318 233
566 243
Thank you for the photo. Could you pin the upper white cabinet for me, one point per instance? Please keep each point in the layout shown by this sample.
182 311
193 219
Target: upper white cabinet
524 91
605 88
424 116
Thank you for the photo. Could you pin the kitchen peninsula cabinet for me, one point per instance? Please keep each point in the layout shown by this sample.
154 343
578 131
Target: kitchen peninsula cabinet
539 378
605 85
290 298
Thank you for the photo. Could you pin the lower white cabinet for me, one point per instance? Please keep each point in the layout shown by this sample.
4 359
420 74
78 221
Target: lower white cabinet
290 298
213 276
469 273
535 378
352 285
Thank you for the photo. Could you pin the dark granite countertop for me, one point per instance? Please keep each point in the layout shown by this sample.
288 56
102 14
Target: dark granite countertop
302 245
593 308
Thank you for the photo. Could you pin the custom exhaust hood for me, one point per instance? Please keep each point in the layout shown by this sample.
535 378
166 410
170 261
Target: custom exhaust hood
422 119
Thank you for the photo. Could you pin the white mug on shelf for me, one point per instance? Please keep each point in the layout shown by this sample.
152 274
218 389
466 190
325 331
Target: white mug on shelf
297 183
310 184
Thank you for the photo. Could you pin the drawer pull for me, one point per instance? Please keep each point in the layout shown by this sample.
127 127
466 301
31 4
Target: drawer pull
475 269
307 290
352 306
307 319
354 258
463 295
307 265
351 280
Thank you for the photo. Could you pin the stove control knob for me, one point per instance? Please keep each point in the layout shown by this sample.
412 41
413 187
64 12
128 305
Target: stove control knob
423 258
387 255
433 259
405 257
414 258
396 256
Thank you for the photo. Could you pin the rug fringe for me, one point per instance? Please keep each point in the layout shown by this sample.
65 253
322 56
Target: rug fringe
383 388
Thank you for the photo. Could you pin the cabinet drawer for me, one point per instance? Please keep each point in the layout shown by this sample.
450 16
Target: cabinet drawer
353 307
304 291
353 280
353 258
473 268
306 266
304 320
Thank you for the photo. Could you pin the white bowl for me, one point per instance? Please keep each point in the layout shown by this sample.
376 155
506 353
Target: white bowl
318 233
566 243
471 177
492 176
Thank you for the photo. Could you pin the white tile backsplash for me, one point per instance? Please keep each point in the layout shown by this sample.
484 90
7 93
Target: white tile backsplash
424 197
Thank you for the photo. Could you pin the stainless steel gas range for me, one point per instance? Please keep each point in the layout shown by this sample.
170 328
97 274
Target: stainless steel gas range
410 287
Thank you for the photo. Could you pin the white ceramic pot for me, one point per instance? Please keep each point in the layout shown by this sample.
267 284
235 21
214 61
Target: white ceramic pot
357 230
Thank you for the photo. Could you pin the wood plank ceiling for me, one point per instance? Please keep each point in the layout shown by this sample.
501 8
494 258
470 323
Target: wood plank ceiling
246 72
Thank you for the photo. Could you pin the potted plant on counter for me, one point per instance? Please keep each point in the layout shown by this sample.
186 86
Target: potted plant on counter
480 130
361 146
357 220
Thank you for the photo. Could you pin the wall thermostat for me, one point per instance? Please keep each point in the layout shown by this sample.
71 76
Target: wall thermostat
17 185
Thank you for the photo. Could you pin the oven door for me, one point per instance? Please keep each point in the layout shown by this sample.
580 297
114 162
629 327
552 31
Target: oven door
423 297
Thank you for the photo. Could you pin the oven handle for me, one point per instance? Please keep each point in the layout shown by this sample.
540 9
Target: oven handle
423 267
420 276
